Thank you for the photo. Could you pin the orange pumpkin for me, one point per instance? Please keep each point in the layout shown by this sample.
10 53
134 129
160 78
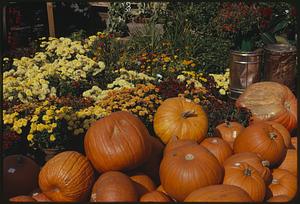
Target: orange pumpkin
20 175
246 177
114 186
188 168
294 143
228 131
155 196
263 139
270 101
290 161
283 131
119 141
218 147
176 143
143 184
279 199
283 183
254 160
68 176
182 118
26 199
219 193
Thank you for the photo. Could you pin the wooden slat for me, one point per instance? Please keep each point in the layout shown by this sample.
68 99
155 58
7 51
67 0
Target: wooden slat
100 4
50 19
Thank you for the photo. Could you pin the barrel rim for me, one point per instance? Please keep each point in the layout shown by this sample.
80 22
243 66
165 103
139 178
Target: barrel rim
257 52
271 48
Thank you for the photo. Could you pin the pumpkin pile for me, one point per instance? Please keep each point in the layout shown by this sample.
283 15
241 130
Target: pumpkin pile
124 163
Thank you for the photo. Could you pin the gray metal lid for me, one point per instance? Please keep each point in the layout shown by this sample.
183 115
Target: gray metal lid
280 48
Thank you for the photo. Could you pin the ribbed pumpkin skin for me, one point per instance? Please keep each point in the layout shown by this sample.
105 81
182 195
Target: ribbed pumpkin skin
283 131
68 176
20 175
247 178
263 139
188 168
228 131
114 186
270 101
253 160
290 161
155 196
22 199
181 118
279 199
293 143
218 147
283 183
176 143
219 193
143 184
119 141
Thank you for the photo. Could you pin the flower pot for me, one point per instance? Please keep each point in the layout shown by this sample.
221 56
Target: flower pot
280 64
50 153
245 69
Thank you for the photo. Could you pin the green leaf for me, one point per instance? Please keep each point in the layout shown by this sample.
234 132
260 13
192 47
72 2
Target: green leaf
268 38
281 39
280 26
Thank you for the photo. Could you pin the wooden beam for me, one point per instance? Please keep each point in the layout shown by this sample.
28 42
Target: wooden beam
51 19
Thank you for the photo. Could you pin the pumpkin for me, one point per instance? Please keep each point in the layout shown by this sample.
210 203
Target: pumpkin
246 177
218 147
40 197
68 176
279 199
283 131
20 175
143 184
219 193
119 141
22 199
114 186
188 168
283 183
228 131
155 196
290 161
270 101
182 118
254 160
175 143
294 143
263 139
161 189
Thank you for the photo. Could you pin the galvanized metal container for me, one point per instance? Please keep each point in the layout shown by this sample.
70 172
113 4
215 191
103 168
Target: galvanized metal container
280 64
245 69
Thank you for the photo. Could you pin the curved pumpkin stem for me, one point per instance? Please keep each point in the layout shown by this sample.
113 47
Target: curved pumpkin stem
247 172
189 113
189 157
273 135
265 163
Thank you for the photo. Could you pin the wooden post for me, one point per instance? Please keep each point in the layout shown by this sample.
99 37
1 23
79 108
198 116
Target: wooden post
51 19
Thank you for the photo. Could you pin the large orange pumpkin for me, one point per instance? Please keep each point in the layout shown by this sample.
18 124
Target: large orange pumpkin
246 177
143 184
228 131
119 141
254 160
219 193
27 199
174 143
279 199
114 186
155 196
270 101
283 183
218 147
20 175
68 176
290 161
188 168
182 118
263 139
283 131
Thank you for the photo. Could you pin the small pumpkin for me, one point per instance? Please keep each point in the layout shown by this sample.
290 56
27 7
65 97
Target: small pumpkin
254 160
218 147
68 176
155 196
294 143
119 141
20 175
219 193
114 186
263 139
270 101
23 198
283 183
279 199
283 131
290 161
182 118
175 143
188 168
143 184
246 177
228 131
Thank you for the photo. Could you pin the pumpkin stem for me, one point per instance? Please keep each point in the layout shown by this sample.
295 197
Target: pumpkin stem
275 181
247 172
265 163
273 135
189 157
189 113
